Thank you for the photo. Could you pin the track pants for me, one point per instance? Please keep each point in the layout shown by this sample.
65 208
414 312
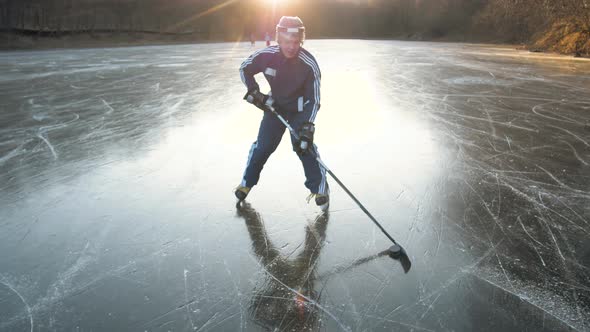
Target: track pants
269 136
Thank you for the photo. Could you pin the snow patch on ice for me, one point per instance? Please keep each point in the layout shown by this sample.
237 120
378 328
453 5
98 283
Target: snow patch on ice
166 65
418 64
553 304
473 80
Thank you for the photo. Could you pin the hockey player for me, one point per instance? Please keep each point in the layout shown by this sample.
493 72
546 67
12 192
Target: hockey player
294 78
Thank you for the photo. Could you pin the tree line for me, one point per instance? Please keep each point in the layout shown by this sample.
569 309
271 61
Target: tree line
519 20
510 20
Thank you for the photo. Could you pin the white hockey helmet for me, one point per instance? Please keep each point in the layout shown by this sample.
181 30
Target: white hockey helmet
291 25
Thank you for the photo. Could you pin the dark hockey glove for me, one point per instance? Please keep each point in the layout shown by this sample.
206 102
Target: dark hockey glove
305 143
259 99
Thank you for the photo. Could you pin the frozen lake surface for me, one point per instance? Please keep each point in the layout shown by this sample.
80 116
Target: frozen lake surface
117 169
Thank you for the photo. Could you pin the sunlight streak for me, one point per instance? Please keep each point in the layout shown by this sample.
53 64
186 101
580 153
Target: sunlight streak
201 14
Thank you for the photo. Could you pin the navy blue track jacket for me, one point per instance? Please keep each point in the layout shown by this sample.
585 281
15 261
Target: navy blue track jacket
294 83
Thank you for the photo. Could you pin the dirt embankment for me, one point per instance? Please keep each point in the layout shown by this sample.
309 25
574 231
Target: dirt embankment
564 36
14 40
543 25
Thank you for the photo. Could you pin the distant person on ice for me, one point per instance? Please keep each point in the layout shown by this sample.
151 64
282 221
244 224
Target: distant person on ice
294 79
267 38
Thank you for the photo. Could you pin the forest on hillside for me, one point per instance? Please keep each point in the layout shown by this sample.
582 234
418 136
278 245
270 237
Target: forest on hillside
514 21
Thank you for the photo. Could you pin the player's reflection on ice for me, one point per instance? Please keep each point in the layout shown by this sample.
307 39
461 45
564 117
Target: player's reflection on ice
287 299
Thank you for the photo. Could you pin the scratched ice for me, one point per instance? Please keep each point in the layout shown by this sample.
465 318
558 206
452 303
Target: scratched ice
117 214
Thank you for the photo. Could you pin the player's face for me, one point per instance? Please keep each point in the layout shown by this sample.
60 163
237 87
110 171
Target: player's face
290 44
